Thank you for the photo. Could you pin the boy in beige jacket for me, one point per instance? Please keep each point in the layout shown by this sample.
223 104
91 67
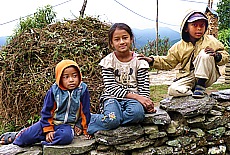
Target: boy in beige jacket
198 54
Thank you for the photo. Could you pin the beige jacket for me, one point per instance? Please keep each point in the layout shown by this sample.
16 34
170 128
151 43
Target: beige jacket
184 52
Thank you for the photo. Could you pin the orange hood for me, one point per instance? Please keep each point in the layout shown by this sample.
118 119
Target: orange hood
61 66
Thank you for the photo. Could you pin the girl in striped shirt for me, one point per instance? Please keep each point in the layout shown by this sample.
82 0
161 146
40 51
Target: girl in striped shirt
126 96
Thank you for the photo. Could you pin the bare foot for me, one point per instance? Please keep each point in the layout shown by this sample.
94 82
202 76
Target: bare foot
88 136
2 141
7 138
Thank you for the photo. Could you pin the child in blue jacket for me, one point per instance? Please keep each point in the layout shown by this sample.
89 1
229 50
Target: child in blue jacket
66 111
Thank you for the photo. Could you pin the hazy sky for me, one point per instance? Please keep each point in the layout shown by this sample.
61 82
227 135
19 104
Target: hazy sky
139 14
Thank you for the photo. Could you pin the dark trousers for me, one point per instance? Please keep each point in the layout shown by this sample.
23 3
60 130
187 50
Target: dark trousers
63 134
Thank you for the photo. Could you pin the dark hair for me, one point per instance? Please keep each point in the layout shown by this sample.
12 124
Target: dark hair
120 26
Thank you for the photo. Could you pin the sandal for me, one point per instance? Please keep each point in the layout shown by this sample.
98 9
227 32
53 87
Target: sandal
8 137
199 92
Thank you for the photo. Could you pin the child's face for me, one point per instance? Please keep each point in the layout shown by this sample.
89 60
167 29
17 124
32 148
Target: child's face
70 78
121 41
196 29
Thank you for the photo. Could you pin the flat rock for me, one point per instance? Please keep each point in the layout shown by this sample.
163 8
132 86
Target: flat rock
80 145
222 95
12 149
160 117
188 106
122 134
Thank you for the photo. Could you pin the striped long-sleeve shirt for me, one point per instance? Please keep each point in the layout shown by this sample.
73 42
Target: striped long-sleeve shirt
121 78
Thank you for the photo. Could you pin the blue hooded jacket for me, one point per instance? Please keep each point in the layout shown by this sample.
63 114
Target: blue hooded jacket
62 106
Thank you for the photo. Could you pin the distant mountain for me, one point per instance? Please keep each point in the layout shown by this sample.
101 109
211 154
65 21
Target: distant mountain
174 41
2 40
143 36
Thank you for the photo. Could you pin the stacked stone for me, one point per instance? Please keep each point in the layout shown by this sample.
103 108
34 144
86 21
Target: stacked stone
180 126
213 22
227 72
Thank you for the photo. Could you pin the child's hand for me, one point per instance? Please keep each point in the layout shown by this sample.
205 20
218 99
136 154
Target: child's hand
143 57
50 136
147 103
210 51
88 136
77 131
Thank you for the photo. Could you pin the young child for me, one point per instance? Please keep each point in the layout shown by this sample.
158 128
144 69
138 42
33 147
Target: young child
197 54
126 81
66 111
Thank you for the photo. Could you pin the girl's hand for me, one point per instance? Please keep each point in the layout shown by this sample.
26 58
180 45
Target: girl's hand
147 103
50 136
210 51
77 131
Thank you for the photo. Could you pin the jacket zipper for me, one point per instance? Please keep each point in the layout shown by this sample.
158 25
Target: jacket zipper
68 107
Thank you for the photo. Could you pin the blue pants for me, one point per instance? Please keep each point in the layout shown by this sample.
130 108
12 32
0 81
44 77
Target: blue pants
63 134
115 114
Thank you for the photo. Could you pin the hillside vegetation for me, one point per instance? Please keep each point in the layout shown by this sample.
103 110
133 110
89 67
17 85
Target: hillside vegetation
28 62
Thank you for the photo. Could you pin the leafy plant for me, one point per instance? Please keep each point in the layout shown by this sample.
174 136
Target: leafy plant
151 49
223 10
41 18
10 127
33 119
224 37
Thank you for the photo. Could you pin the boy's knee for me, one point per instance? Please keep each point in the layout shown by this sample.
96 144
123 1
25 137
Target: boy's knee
171 89
204 56
174 90
66 135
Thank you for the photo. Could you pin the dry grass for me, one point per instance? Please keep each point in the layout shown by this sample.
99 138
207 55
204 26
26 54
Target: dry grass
27 65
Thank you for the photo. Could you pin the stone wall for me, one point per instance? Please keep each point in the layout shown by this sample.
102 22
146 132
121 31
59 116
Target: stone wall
213 22
180 126
227 72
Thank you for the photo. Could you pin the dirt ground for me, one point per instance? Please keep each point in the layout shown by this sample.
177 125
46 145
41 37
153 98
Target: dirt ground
166 77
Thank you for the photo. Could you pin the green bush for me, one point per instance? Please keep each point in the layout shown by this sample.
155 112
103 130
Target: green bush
224 37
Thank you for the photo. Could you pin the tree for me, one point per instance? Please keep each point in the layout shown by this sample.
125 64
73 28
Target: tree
224 37
223 10
83 8
151 47
40 19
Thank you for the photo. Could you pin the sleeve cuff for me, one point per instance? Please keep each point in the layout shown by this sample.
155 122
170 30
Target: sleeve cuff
151 63
48 129
218 57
